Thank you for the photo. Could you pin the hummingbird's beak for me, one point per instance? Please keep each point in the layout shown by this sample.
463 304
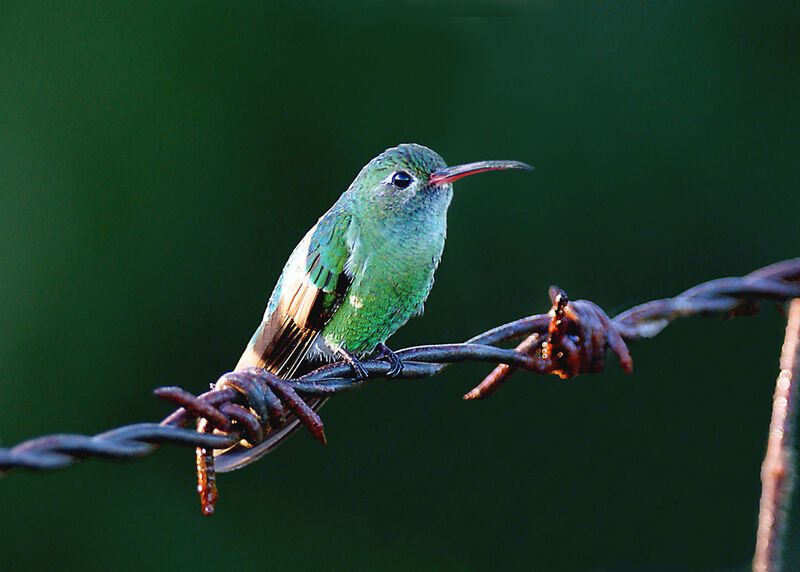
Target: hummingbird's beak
450 174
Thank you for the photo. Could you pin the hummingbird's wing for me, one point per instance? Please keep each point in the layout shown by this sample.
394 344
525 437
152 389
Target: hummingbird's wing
309 291
311 287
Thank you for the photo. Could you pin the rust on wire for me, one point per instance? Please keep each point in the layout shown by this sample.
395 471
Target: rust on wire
573 338
206 476
576 342
778 470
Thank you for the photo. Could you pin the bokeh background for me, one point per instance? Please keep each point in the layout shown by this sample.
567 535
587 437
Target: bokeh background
158 162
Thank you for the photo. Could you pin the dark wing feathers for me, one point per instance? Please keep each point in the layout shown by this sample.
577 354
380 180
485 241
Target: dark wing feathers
306 303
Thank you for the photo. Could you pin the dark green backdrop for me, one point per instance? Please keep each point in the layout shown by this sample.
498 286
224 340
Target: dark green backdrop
158 163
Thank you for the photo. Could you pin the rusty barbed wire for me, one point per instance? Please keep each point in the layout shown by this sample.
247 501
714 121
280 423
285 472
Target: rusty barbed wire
778 471
573 338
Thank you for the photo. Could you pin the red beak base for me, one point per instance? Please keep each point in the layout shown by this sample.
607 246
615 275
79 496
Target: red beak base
450 174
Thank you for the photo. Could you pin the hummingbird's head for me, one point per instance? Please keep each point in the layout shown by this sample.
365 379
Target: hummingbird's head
410 177
398 174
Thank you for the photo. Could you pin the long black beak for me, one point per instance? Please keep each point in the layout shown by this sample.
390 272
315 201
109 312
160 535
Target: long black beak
450 174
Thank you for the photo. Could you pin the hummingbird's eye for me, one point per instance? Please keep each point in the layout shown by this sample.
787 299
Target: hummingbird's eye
401 179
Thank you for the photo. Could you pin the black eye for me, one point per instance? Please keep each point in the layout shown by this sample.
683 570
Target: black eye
401 179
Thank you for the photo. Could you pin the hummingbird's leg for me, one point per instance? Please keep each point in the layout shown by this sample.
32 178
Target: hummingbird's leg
358 368
393 358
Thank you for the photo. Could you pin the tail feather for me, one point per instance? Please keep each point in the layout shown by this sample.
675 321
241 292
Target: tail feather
281 346
311 288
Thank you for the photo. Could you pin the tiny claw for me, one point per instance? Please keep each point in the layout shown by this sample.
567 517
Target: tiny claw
393 359
359 371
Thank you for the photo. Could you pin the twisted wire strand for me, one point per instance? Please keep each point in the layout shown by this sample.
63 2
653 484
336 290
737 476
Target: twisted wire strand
572 339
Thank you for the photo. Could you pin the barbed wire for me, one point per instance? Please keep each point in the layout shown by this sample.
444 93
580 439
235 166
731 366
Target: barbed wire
778 471
573 338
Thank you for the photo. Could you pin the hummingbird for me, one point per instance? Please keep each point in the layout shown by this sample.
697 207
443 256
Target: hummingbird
358 275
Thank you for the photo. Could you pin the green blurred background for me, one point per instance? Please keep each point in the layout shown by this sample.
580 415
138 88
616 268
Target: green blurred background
158 162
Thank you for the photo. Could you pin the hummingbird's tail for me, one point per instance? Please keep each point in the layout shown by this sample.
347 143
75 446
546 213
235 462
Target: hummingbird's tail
282 348
308 293
240 455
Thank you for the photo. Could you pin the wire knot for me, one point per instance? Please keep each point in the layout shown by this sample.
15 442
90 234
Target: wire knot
578 337
245 405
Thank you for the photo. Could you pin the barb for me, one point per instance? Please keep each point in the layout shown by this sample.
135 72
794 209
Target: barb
575 340
572 339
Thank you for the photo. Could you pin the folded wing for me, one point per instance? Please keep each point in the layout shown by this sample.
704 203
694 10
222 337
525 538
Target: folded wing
311 287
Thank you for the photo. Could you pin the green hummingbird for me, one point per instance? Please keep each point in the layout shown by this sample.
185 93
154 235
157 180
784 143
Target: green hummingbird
358 275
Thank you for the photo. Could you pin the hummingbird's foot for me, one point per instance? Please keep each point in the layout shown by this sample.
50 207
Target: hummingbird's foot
393 358
358 368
